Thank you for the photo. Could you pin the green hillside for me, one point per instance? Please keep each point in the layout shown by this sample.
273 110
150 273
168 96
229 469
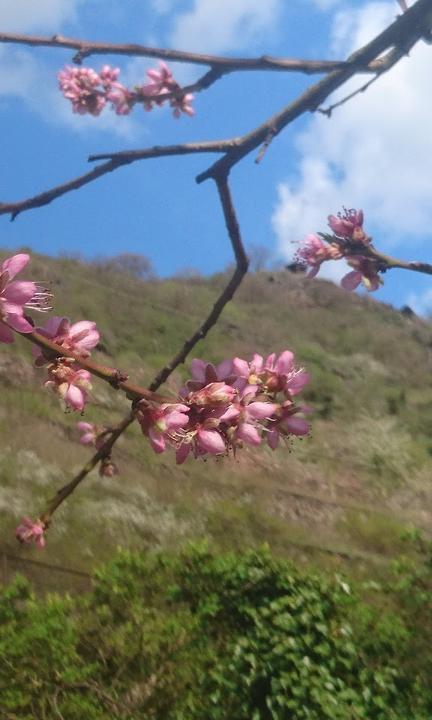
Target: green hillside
354 486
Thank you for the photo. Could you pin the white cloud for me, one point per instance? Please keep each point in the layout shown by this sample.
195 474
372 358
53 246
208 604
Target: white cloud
25 77
29 15
375 152
217 26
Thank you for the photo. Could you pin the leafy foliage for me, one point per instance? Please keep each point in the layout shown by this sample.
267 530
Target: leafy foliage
201 635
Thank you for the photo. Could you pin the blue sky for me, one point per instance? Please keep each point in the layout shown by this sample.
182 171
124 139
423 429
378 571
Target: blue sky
374 153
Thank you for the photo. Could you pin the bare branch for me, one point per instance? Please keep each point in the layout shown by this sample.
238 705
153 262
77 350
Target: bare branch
400 36
116 160
222 65
403 33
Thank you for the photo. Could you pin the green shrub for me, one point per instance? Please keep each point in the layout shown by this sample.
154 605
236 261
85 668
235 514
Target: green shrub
204 636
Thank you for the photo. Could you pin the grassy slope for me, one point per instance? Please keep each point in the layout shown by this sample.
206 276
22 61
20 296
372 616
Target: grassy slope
355 484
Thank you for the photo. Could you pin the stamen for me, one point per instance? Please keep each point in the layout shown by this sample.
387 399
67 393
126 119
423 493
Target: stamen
41 300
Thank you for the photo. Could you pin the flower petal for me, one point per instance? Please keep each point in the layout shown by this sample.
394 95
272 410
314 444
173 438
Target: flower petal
211 441
157 441
249 434
273 439
18 323
296 425
297 383
19 292
352 280
261 410
284 363
74 397
198 368
182 453
15 264
6 334
240 367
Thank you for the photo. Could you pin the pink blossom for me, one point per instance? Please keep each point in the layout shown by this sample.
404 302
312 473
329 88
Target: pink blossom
121 98
81 86
183 104
161 423
79 338
225 406
108 76
29 532
210 441
313 252
14 297
275 373
161 83
216 393
201 441
89 433
71 385
246 423
108 468
204 373
280 374
366 272
285 423
349 225
160 78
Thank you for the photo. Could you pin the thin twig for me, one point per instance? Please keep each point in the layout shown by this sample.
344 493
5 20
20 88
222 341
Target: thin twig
328 111
102 453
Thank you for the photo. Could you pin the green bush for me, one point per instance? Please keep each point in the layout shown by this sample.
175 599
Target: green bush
200 636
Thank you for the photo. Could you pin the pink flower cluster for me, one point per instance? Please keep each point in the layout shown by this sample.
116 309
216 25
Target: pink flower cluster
16 296
348 237
221 408
96 435
29 532
89 91
161 83
314 251
70 383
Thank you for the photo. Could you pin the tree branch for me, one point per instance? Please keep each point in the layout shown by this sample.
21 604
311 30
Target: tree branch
102 453
404 33
390 263
114 377
222 64
117 160
384 262
400 36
